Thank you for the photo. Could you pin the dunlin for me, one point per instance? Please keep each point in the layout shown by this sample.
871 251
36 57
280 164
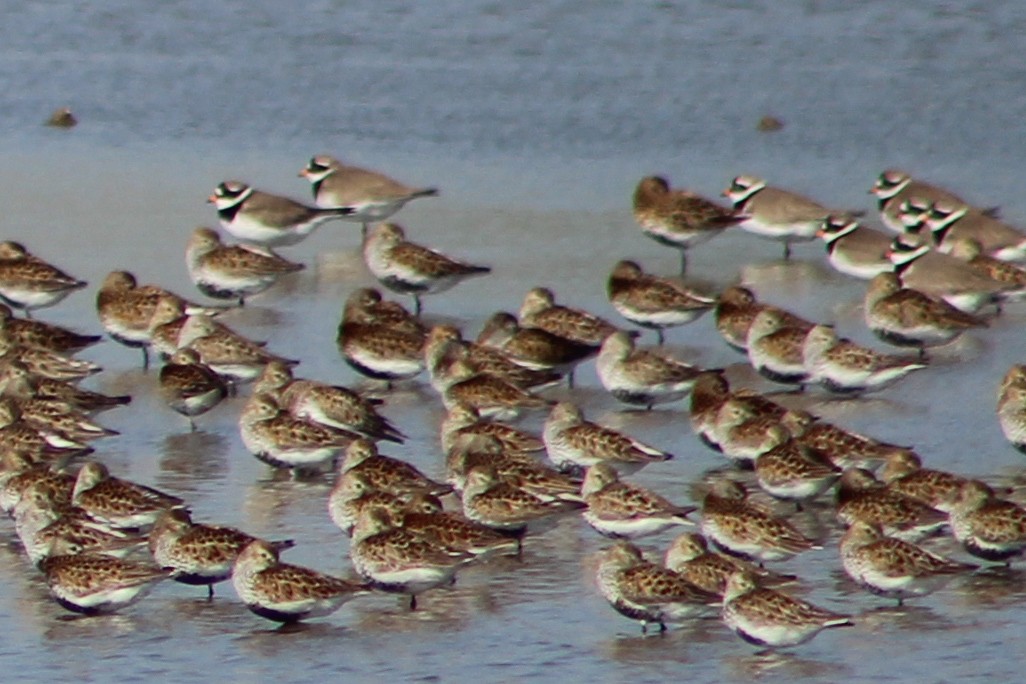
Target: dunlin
198 554
647 592
281 440
28 283
845 367
228 353
167 322
625 511
16 381
894 568
767 617
287 593
425 517
266 219
1011 412
1016 375
793 472
539 310
653 302
54 416
400 561
120 503
860 496
377 347
491 395
49 526
903 472
970 251
379 352
94 584
678 218
843 447
743 406
445 344
736 424
506 507
386 473
735 310
409 268
515 468
232 271
746 427
910 318
46 335
46 445
20 472
775 213
988 527
189 386
366 305
642 377
533 347
44 363
126 309
854 249
708 393
775 348
331 405
689 556
746 530
463 421
353 492
573 442
371 195
472 450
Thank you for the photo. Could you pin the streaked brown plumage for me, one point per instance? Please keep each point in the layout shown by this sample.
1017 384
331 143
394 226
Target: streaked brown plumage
745 530
678 218
539 310
189 386
651 301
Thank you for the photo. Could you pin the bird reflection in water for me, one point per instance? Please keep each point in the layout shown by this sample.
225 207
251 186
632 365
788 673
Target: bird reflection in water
191 457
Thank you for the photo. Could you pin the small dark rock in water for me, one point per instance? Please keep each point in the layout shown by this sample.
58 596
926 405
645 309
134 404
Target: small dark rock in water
769 123
62 118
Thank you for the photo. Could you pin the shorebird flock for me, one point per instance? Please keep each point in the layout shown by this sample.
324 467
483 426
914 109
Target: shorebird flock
939 268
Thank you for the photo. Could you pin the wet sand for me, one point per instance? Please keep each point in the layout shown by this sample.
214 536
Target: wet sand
535 125
536 616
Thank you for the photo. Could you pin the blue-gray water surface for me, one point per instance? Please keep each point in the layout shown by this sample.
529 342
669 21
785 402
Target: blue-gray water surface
535 120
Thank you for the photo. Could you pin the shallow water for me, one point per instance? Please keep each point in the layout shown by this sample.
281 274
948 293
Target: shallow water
535 123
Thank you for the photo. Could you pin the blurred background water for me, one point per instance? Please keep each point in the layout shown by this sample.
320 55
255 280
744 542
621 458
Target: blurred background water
535 120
